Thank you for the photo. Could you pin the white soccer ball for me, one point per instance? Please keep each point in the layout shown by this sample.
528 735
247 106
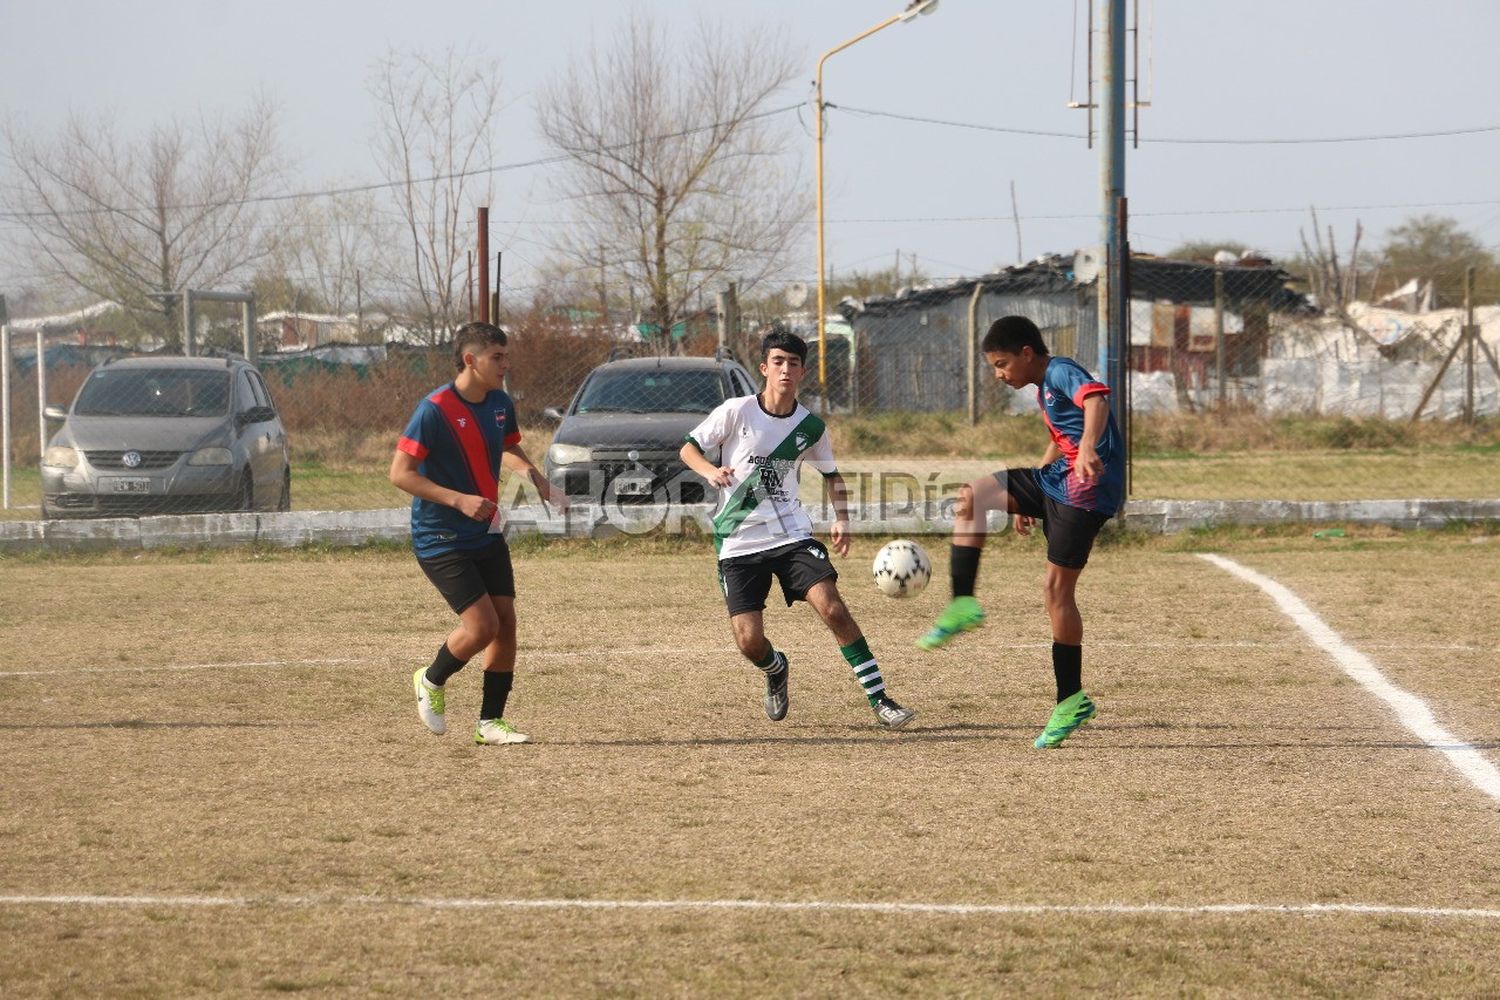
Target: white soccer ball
902 569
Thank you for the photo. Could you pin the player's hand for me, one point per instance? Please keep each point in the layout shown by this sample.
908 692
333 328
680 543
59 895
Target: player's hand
558 498
1023 524
723 477
838 534
478 508
1087 467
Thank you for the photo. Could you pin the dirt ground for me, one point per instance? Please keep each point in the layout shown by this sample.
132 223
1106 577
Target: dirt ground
220 751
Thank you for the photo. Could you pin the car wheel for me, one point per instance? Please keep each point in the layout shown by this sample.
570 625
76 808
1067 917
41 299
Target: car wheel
247 493
285 503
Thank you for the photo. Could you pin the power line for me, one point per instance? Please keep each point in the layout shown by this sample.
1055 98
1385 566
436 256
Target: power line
920 119
383 185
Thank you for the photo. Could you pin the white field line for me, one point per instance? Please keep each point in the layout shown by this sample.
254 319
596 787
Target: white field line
1412 711
782 906
724 648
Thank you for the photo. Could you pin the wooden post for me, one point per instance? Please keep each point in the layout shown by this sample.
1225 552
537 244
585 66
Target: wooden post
484 263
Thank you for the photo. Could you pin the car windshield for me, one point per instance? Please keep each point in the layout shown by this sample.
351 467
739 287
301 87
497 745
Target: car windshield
154 392
653 390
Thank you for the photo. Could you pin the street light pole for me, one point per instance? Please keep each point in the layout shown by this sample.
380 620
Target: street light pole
913 8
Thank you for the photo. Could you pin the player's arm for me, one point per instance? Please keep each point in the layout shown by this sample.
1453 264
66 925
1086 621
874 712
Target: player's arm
838 491
718 476
515 459
1088 466
404 476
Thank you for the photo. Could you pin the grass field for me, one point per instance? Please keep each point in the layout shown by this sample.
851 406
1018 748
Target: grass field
214 782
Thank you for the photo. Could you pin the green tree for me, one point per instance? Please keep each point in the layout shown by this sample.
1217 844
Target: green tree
1202 251
872 284
1434 248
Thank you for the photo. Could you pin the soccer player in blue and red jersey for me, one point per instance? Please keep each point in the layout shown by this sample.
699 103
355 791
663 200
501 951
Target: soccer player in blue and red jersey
1074 492
448 459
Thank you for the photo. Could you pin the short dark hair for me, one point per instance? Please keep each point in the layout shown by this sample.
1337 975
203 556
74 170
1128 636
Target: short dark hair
475 337
1010 334
783 340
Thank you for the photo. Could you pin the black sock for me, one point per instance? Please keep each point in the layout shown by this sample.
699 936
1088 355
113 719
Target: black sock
963 569
1067 665
444 666
496 690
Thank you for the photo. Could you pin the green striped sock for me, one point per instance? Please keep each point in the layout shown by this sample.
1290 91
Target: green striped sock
766 662
866 671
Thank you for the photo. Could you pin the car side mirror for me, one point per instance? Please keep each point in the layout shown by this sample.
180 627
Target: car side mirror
55 413
256 415
553 414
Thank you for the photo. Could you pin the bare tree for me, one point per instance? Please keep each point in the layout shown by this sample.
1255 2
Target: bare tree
324 250
128 219
434 141
677 176
1333 284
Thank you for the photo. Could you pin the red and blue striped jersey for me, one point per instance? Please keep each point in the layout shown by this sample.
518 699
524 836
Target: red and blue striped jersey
1064 387
458 445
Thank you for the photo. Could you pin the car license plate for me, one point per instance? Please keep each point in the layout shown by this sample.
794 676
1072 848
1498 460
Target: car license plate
131 485
633 486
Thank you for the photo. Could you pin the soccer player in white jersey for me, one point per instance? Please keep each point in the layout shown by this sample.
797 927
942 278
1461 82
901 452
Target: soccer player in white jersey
761 529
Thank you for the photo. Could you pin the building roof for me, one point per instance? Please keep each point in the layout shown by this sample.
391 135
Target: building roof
1151 278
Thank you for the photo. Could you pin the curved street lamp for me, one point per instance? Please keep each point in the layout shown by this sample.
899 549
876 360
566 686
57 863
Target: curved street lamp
913 8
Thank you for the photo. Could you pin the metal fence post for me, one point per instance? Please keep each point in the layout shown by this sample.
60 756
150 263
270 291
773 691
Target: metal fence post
1219 335
1471 334
187 323
247 311
41 394
5 415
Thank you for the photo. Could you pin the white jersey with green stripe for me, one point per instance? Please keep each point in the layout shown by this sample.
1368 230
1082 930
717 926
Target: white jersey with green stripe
760 509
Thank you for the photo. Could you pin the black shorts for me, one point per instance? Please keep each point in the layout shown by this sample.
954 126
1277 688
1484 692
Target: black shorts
464 576
1070 531
746 580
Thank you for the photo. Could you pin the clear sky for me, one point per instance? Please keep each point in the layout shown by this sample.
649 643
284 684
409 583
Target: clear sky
1277 69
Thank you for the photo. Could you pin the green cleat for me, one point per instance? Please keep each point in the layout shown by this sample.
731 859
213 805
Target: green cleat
1070 713
962 614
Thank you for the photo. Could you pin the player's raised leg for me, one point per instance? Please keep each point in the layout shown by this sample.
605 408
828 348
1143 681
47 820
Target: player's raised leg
826 601
499 675
970 520
1074 707
750 637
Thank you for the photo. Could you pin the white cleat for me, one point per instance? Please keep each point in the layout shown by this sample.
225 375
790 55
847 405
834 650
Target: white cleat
493 732
429 702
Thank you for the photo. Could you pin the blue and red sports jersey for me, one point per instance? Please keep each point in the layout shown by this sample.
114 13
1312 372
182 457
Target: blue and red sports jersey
1064 388
458 445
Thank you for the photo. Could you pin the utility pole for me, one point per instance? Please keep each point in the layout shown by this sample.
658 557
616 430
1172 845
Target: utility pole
1114 344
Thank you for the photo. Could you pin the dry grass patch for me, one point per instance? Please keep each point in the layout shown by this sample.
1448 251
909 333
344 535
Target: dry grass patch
1230 763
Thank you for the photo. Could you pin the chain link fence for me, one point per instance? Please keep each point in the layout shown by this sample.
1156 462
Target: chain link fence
1241 387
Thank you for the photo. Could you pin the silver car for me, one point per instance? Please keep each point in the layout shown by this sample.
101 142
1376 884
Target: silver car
167 436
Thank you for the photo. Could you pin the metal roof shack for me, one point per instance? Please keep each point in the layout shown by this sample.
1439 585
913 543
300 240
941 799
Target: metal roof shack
912 348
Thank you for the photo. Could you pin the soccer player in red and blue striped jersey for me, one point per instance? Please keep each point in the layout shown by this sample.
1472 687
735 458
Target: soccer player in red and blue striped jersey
448 458
1076 489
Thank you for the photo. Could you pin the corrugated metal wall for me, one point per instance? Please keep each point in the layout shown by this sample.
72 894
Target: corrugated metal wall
916 359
